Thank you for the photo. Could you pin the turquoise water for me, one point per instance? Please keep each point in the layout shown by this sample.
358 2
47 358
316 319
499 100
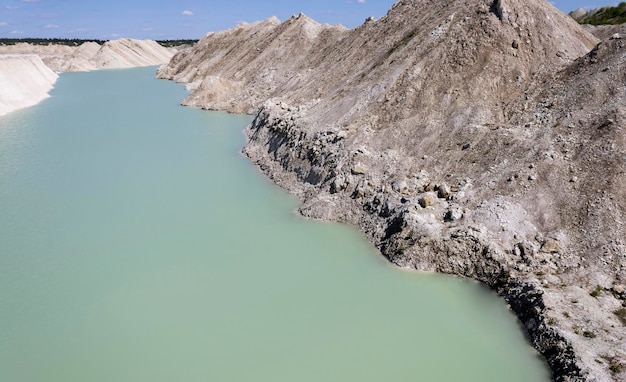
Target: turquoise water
137 244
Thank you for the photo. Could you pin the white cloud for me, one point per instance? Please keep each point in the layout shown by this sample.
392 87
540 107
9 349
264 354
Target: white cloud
11 7
29 1
16 32
187 13
361 1
147 29
3 24
51 26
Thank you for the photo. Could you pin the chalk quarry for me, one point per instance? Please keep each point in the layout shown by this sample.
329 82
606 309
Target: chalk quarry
478 138
27 72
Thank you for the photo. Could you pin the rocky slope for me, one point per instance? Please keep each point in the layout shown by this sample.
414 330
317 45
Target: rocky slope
478 138
604 32
115 54
238 69
24 81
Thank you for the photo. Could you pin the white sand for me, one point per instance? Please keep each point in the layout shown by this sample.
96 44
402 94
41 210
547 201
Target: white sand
127 53
24 81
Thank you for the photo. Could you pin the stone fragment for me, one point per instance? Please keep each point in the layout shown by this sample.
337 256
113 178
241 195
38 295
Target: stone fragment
515 44
455 213
399 186
524 252
619 289
550 246
428 200
444 191
359 169
337 185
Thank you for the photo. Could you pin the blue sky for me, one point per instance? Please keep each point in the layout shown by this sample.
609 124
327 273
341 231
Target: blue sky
172 19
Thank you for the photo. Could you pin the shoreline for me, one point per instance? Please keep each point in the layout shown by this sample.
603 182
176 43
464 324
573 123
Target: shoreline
486 159
524 298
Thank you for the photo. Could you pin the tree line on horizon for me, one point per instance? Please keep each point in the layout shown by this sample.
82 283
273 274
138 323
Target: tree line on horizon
77 42
606 15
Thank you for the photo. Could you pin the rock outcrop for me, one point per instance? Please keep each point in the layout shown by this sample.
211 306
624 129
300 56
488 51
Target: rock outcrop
478 138
24 81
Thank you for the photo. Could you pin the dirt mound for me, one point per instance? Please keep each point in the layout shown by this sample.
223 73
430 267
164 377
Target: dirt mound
479 138
254 61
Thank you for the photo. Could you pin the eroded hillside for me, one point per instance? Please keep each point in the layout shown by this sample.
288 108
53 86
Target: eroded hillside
478 138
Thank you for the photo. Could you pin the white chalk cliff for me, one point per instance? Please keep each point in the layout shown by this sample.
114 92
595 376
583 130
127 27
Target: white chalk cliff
24 81
127 53
27 72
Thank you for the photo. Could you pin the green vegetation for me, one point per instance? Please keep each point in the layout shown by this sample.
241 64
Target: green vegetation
621 314
47 41
175 43
589 334
77 42
615 368
606 15
596 292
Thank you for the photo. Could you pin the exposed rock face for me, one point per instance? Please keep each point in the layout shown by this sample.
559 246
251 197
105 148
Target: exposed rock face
116 54
24 81
478 138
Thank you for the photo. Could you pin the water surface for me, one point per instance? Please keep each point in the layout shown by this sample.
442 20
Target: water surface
137 244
